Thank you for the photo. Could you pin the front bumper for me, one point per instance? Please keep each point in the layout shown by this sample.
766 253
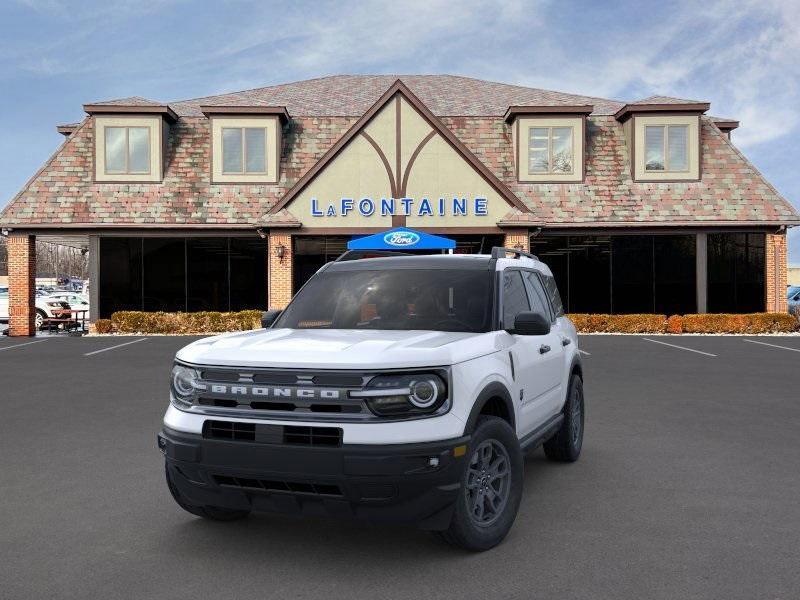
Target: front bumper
409 483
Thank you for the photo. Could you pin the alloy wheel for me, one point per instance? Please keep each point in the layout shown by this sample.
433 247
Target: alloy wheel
488 482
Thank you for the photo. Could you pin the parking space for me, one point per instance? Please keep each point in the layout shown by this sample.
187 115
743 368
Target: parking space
687 488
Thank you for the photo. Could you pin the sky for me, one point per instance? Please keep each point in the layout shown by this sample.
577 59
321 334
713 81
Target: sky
739 55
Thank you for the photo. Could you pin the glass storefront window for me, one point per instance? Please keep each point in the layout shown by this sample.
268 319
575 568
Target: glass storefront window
182 274
736 272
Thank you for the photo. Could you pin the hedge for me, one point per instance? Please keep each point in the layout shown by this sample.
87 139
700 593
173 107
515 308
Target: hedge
197 322
214 322
707 323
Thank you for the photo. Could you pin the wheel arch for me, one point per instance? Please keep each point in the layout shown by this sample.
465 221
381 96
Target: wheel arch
496 399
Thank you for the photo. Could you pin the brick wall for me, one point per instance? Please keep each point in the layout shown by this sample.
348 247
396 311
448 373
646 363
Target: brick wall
21 284
776 273
280 270
517 238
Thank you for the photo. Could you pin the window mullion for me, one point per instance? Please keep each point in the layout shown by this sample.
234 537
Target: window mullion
127 151
244 151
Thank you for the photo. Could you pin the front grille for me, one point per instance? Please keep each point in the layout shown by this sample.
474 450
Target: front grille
273 434
286 487
298 395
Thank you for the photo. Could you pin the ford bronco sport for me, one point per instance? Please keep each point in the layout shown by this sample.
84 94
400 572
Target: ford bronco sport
403 388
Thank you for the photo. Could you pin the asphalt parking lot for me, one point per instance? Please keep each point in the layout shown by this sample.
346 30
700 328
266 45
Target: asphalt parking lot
688 487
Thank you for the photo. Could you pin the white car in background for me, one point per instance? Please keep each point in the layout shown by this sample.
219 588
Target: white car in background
46 307
75 300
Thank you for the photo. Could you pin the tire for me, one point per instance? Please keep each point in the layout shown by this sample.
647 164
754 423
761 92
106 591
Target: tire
482 519
39 318
215 513
566 444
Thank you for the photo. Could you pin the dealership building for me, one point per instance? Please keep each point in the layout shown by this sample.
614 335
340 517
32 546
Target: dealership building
233 201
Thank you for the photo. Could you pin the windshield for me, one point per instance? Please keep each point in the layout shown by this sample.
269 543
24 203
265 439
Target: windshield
439 300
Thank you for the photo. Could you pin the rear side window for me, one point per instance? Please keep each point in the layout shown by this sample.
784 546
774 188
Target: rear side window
537 295
552 292
515 298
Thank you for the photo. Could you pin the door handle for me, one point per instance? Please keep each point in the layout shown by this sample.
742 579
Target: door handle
566 341
544 349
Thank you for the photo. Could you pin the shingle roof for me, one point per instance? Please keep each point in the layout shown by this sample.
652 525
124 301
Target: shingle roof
63 193
352 95
130 101
665 100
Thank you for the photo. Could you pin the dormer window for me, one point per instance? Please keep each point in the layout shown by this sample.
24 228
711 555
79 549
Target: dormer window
244 150
666 148
245 143
550 150
127 150
548 142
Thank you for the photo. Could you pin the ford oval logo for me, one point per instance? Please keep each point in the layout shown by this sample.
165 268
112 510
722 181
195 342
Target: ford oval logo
401 238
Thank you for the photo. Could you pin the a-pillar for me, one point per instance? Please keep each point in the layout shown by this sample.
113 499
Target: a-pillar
21 284
775 273
279 260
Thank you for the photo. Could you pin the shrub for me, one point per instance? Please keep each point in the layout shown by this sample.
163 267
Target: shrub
675 324
747 323
103 326
197 322
706 323
619 323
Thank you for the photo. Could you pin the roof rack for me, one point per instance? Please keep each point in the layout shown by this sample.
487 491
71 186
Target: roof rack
359 254
498 252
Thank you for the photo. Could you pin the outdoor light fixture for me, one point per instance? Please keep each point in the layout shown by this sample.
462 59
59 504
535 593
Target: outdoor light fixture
4 231
261 233
280 252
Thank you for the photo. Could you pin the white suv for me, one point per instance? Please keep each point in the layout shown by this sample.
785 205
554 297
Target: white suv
403 388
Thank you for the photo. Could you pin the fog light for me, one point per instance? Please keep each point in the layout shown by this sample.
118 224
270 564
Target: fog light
433 461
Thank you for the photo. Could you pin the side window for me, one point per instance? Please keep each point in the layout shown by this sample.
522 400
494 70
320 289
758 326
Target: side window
515 299
537 295
555 297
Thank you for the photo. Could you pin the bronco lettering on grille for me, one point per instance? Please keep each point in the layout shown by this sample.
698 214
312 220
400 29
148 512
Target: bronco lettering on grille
275 392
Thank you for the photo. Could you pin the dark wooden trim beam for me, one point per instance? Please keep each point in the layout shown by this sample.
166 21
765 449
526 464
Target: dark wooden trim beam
131 109
577 109
279 111
630 109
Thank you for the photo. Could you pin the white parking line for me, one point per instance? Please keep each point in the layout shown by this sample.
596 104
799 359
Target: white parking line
771 345
585 353
680 347
114 347
20 345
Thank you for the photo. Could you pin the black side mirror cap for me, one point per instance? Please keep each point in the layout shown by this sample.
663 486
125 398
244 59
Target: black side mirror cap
269 317
531 323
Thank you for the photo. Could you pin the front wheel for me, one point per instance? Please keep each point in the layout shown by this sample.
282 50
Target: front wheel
566 444
491 488
39 318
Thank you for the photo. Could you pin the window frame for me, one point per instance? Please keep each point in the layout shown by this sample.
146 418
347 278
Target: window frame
127 152
273 131
243 147
501 295
520 133
634 129
665 147
550 170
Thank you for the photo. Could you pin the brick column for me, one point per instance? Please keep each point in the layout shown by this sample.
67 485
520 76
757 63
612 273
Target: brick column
517 238
775 273
280 270
21 284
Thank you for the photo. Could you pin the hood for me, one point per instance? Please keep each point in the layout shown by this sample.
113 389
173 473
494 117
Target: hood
338 348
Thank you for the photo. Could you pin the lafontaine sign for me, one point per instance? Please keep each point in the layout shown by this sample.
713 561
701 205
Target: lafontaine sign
422 207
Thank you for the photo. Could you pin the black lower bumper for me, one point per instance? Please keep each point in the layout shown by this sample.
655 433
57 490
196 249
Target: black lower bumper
409 483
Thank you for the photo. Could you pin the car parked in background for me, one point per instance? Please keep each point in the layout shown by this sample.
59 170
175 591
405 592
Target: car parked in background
76 301
793 297
3 304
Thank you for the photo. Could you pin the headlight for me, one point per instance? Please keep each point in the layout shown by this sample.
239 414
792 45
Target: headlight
185 382
405 394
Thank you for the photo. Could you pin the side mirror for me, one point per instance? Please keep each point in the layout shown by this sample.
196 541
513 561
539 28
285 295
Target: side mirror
269 317
531 323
